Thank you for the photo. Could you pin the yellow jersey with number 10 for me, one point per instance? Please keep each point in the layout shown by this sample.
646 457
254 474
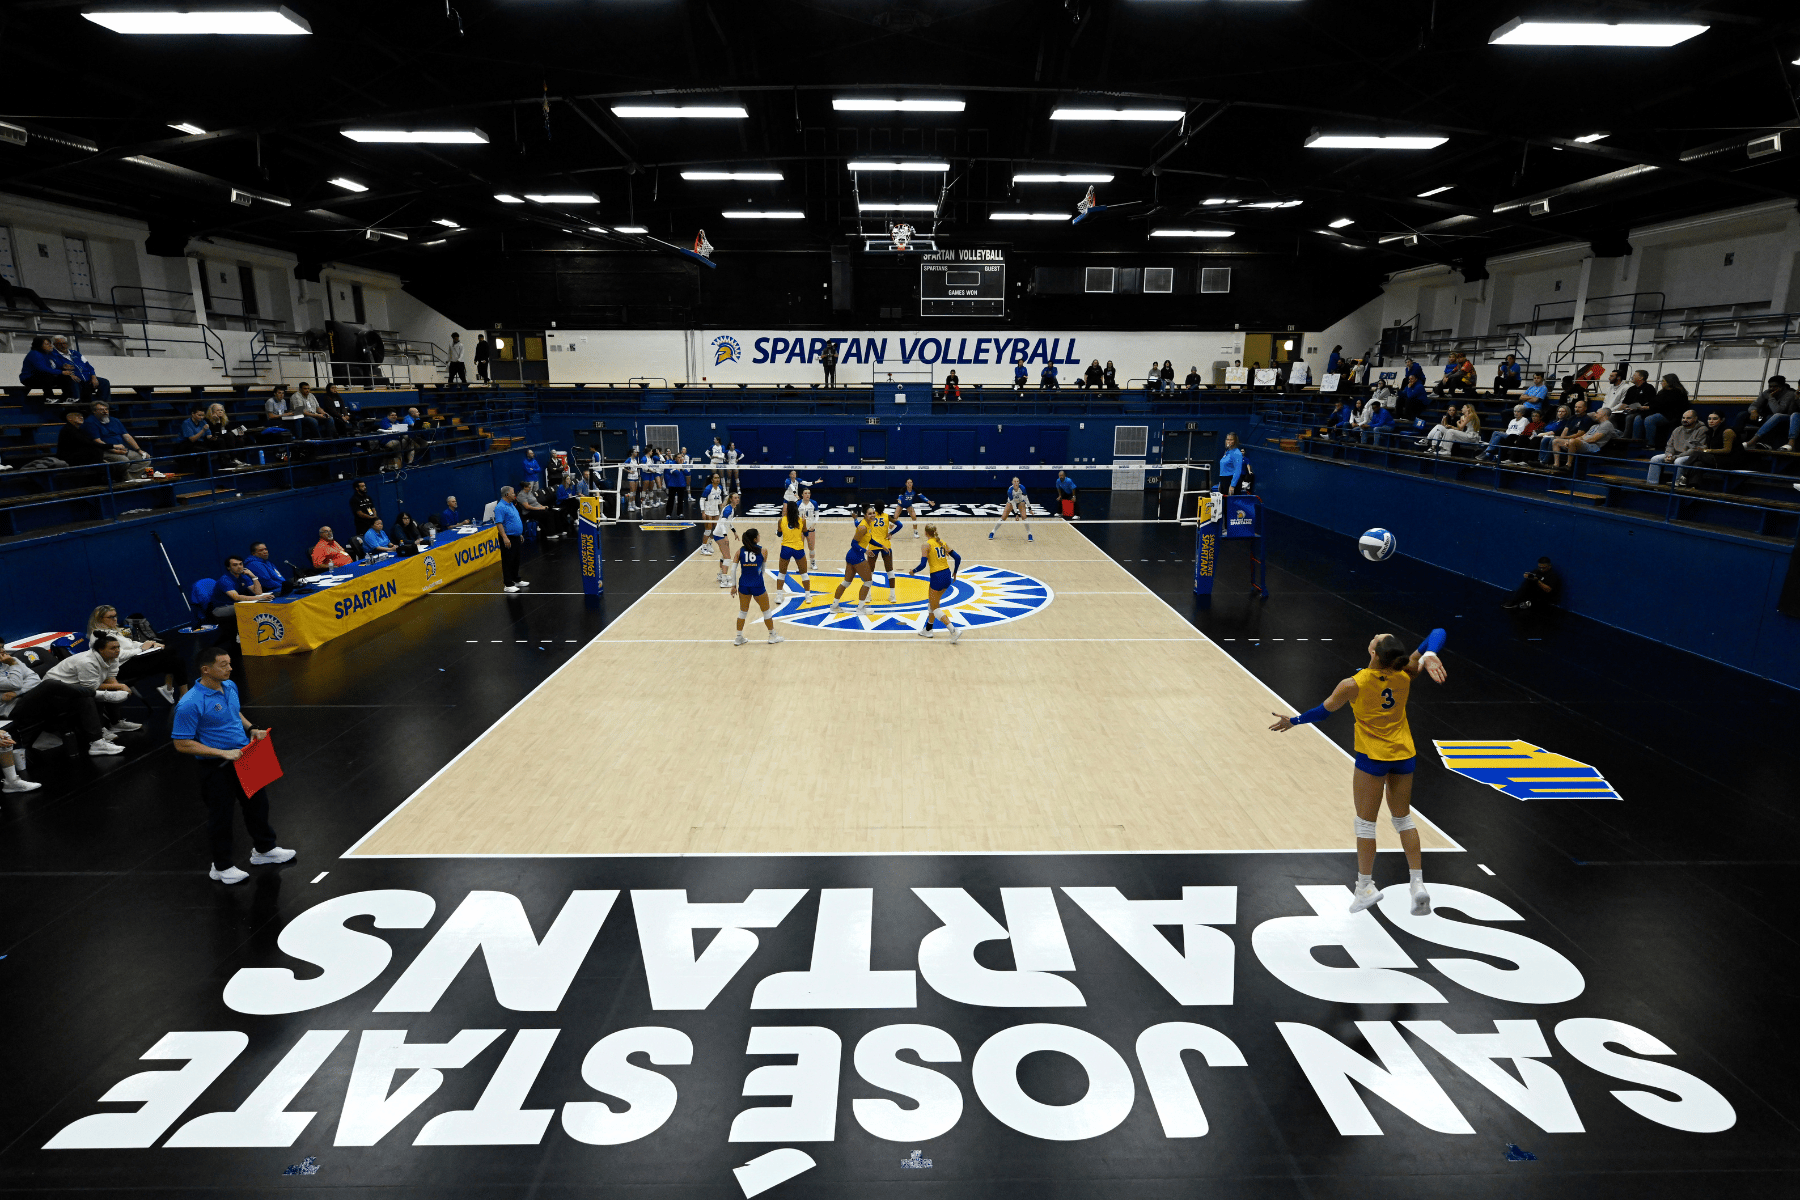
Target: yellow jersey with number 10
937 556
1382 733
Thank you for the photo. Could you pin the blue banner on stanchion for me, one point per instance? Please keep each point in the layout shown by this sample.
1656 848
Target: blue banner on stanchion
587 533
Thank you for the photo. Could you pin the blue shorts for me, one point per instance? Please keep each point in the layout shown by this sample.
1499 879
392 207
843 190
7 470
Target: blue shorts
752 587
788 552
856 556
940 581
1380 767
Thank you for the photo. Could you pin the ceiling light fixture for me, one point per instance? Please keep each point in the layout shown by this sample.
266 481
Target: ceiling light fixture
446 222
715 176
852 104
1436 191
1062 178
685 111
1199 233
187 127
1275 204
596 229
349 185
1368 141
250 19
877 206
1116 114
916 165
745 214
629 229
435 242
507 198
1521 32
1218 200
1341 222
1028 216
562 197
1591 137
434 137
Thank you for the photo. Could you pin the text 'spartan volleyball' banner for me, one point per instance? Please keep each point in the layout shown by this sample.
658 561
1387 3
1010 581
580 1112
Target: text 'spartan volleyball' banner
298 623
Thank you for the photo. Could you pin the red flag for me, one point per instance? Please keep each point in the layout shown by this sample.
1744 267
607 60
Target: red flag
257 767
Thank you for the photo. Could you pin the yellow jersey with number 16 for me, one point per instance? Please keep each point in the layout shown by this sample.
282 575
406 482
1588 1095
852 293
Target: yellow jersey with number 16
1382 733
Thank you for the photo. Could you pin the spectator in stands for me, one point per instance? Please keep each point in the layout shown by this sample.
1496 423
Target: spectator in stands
1021 376
1047 378
74 445
1378 422
341 410
225 435
1167 375
483 351
1539 588
362 507
1515 430
1334 365
457 371
1517 447
313 417
1506 376
1464 431
1687 441
277 413
1593 441
1563 425
1537 396
41 370
1413 372
1720 451
1192 382
92 386
1153 382
1576 383
391 436
51 705
137 660
953 385
451 517
1234 468
13 293
531 470
375 540
828 361
1633 405
326 553
196 434
1665 410
117 446
272 580
1299 376
512 538
1412 401
1459 377
1581 417
95 671
1778 403
1110 377
1094 377
1617 385
1341 423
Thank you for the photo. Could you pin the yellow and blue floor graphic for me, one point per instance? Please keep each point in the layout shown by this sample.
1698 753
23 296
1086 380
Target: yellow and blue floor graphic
979 595
1524 771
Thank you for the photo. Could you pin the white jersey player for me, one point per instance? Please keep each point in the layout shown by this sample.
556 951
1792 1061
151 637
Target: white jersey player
790 492
1017 505
809 517
721 538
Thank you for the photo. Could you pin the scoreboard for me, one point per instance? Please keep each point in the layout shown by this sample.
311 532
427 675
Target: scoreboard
963 283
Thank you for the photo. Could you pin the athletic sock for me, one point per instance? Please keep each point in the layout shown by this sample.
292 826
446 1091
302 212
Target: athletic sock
10 772
1362 879
1417 877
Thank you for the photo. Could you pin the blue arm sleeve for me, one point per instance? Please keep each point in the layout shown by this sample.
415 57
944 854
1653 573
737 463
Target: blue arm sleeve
1311 716
1434 641
920 567
958 558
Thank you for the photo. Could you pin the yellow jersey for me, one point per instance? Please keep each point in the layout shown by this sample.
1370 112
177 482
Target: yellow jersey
793 538
863 534
1382 733
878 531
937 556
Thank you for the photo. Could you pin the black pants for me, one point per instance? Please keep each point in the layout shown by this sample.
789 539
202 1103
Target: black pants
53 705
457 373
1504 384
481 369
60 385
830 374
509 560
155 664
1528 589
1245 484
677 500
221 792
1458 388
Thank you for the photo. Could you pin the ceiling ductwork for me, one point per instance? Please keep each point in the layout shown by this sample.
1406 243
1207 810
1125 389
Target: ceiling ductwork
1581 194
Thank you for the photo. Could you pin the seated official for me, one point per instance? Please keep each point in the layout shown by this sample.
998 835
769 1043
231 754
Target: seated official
327 553
272 580
95 672
408 530
236 585
451 517
42 370
375 540
137 660
92 386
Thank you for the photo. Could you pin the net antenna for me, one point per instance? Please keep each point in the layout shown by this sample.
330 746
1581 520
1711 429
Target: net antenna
1196 483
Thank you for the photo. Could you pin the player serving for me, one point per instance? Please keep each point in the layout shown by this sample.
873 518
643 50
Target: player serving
1016 506
1384 753
940 557
909 504
749 583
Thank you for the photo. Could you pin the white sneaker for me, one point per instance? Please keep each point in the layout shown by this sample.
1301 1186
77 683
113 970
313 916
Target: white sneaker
836 609
1421 901
1365 895
46 741
18 785
724 582
740 639
511 587
955 633
123 726
925 632
524 583
862 610
776 637
167 693
228 875
274 854
101 746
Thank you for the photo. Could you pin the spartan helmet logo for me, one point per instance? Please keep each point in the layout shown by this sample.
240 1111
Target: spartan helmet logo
726 349
269 628
902 234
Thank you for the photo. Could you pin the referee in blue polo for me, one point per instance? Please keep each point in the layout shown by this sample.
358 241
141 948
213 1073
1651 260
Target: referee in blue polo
512 537
209 727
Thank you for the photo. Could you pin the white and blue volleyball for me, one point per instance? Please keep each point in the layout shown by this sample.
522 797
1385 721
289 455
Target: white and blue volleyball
1376 544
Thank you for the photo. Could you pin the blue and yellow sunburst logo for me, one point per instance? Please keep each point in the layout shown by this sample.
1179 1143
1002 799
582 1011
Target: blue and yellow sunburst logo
726 349
979 596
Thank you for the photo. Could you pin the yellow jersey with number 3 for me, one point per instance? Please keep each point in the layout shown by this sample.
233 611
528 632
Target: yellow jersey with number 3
1382 733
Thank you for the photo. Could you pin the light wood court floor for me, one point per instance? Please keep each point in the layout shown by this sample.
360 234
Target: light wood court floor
1102 722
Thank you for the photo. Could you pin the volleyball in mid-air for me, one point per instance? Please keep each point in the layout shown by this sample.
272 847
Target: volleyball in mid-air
1376 544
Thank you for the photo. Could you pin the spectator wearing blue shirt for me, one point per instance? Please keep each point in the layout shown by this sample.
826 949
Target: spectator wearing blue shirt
1506 375
211 728
533 469
1021 376
450 518
1537 393
1335 364
1047 378
1234 468
116 446
1412 400
512 536
196 431
375 539
258 564
1413 371
1339 422
1564 425
237 583
93 387
42 370
1379 424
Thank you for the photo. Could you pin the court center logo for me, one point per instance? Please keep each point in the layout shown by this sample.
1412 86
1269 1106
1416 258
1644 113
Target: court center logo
269 629
979 596
726 349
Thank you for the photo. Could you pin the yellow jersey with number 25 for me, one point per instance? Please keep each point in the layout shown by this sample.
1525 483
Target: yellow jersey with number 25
1380 711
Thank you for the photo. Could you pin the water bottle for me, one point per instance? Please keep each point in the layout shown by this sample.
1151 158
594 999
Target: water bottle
259 459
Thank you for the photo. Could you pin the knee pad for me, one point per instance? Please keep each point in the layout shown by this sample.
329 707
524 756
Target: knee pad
1402 824
1365 829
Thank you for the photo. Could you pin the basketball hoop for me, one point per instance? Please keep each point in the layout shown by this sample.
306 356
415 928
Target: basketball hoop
901 235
